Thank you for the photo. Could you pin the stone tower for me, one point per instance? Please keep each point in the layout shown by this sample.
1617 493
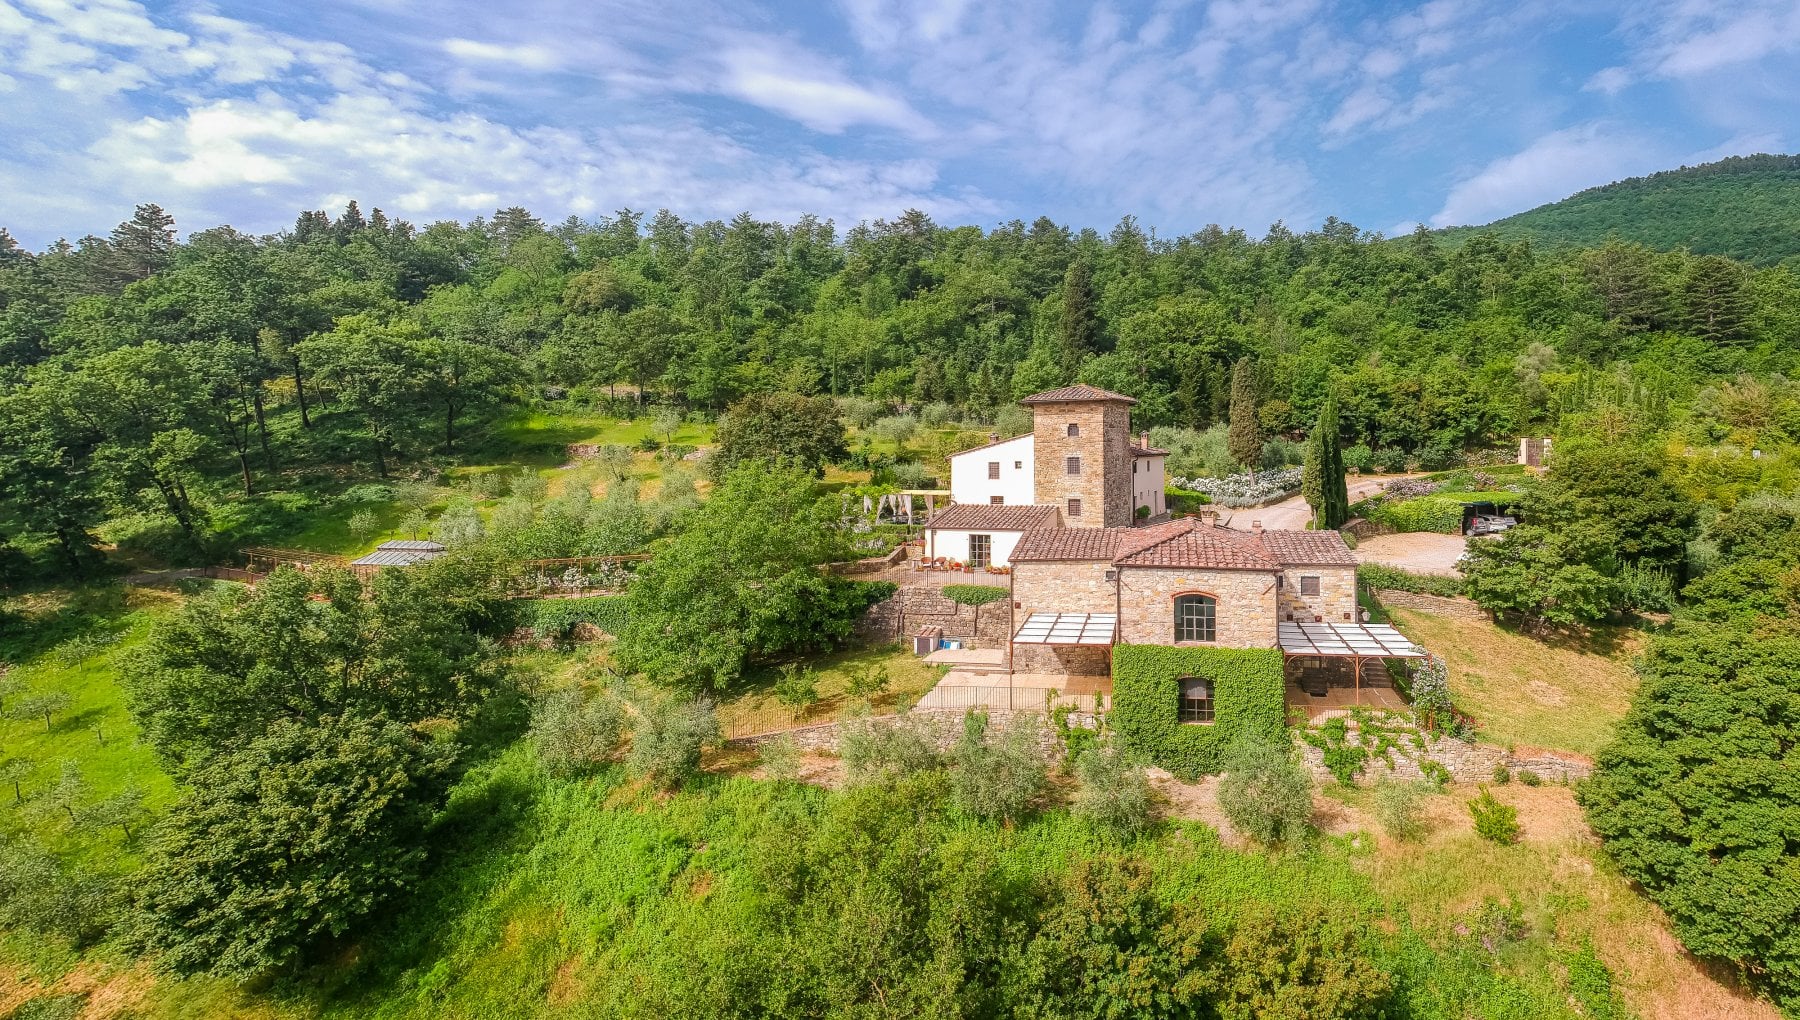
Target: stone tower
1082 455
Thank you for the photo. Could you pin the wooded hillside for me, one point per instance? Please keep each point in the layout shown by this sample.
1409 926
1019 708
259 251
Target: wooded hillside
1744 207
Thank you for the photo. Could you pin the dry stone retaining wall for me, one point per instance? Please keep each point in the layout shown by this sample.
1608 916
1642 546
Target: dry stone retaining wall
1466 761
941 727
909 609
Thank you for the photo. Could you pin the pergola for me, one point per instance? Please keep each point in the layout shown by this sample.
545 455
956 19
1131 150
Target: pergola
1353 641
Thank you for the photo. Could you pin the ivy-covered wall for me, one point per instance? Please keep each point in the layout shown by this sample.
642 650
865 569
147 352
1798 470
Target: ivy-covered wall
1247 700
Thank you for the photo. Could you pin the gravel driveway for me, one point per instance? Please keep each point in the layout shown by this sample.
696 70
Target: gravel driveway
1293 513
1418 551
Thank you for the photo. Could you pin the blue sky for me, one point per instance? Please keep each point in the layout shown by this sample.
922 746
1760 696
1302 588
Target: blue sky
1237 112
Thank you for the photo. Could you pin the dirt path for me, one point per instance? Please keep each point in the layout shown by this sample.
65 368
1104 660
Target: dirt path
1292 514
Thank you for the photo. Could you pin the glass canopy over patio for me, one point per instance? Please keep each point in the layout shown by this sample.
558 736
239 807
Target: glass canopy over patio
1068 629
1359 640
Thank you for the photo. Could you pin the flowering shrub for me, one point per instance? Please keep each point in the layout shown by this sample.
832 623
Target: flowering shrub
1409 488
1243 489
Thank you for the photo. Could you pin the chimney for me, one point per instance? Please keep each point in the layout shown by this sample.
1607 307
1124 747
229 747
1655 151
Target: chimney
1209 516
1143 440
993 437
1256 526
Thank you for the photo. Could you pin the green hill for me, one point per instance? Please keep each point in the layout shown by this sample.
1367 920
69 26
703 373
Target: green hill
1745 207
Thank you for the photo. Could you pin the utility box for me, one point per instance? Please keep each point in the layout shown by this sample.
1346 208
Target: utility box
927 640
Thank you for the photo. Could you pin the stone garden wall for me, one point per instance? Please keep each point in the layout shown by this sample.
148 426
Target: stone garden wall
900 617
942 727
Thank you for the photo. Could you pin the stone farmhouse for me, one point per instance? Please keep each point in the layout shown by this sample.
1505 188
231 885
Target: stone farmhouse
1073 515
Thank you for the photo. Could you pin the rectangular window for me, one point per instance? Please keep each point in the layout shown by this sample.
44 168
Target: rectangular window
1196 700
1074 465
1309 585
993 469
997 500
981 547
1074 508
1017 464
1196 618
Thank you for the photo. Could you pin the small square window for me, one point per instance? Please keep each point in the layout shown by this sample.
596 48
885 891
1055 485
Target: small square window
997 500
1074 508
993 469
1196 700
1309 585
1074 465
1017 464
1074 430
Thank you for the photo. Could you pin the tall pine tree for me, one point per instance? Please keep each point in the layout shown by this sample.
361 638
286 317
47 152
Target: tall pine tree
1244 439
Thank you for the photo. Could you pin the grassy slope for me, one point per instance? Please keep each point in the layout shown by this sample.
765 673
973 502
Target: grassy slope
314 514
1524 691
96 731
1743 209
551 898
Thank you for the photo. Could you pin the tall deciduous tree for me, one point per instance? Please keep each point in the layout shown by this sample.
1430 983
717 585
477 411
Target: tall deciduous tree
780 428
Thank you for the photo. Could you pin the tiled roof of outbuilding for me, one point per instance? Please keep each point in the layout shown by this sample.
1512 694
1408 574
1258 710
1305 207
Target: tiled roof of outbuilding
993 517
1308 548
1078 393
1069 544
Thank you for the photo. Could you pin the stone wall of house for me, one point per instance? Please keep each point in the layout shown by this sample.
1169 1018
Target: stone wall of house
1062 660
1245 616
1459 608
1336 601
1062 587
1104 446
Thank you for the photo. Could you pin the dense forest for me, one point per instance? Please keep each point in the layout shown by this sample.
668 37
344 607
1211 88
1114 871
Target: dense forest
185 385
1744 207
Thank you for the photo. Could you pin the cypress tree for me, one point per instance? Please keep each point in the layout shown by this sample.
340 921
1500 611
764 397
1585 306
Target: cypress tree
1079 331
1334 489
1243 439
1312 477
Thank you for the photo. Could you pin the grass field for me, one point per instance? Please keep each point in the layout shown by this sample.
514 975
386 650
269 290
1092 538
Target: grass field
1526 691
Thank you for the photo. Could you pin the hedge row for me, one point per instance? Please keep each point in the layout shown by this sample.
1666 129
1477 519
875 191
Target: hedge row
556 618
1440 512
1248 700
1382 576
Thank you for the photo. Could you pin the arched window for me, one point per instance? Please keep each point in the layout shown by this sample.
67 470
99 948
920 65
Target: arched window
1196 700
1195 618
1074 430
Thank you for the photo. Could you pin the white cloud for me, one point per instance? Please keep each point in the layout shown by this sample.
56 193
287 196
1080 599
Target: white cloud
1690 38
1553 167
774 76
1610 80
527 55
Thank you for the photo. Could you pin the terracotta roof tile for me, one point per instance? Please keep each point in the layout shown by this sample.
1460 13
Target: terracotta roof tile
995 517
1069 544
1308 548
1191 543
1148 451
1077 393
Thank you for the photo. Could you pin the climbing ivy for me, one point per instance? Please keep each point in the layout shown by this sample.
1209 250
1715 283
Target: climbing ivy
1247 701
